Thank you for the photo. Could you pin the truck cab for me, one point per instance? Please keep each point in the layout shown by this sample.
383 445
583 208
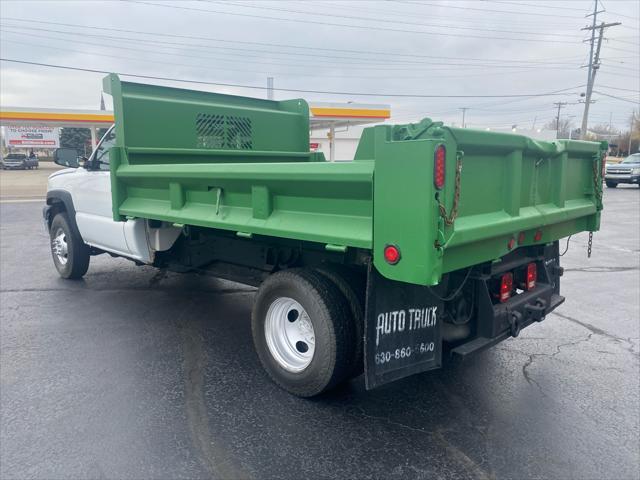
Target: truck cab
85 189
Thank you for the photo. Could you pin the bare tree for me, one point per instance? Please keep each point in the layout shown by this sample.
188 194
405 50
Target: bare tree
564 129
629 142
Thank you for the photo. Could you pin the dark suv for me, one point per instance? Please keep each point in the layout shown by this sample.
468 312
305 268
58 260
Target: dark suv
627 171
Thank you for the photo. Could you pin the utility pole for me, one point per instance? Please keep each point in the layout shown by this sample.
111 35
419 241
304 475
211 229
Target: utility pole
464 111
594 63
559 105
633 120
269 88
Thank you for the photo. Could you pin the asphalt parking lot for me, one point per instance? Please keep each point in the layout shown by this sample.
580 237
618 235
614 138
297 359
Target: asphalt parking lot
134 373
16 185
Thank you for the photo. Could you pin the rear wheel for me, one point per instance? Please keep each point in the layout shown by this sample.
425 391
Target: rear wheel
70 254
611 184
352 285
302 331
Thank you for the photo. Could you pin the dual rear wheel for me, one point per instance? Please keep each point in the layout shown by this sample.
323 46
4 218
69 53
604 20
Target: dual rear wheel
307 328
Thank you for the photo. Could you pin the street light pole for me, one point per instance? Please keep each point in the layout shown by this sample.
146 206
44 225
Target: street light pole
464 111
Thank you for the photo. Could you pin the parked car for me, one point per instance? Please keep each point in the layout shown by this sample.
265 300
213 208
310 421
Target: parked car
19 161
627 171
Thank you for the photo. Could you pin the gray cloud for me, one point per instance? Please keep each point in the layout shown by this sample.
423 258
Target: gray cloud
500 67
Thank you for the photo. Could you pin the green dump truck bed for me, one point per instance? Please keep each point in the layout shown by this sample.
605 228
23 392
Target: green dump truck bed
243 164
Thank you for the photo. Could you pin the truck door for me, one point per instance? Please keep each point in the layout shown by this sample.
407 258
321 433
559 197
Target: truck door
92 201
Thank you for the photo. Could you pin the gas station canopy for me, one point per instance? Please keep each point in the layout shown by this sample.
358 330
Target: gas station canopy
91 119
327 115
322 116
55 117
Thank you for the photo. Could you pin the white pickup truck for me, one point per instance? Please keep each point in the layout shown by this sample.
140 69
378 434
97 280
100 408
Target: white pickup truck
79 215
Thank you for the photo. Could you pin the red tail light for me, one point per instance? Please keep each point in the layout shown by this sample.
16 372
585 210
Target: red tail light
439 166
532 276
506 285
392 254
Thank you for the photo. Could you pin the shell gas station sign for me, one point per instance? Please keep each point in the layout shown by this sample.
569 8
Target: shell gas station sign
32 136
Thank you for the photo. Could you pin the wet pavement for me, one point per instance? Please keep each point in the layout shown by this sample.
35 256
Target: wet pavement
135 373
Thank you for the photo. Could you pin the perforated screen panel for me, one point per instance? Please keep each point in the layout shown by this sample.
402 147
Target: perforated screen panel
223 132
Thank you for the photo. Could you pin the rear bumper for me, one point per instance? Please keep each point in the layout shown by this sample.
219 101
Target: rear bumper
510 318
498 321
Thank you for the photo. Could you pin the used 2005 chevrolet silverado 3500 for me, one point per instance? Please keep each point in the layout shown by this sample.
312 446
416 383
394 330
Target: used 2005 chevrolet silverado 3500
432 241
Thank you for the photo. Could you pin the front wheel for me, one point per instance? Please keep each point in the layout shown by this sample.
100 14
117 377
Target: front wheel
70 253
302 331
611 184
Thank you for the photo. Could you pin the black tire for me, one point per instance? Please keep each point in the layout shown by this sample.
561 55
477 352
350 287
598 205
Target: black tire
352 285
329 315
77 256
611 184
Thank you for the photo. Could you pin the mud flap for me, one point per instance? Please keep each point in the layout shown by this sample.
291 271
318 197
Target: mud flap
402 330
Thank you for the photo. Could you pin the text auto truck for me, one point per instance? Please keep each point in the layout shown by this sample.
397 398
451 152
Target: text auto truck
434 241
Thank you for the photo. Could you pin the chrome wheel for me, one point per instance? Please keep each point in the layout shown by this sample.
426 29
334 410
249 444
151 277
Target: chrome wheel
60 247
289 334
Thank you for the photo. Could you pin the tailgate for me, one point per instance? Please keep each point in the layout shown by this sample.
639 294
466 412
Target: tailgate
511 191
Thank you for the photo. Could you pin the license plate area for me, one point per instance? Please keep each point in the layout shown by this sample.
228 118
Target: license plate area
402 330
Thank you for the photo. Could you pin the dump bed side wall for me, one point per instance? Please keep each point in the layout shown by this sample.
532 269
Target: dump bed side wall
510 188
511 184
232 163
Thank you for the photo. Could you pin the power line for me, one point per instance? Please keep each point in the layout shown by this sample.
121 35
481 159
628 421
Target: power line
263 44
636 91
396 13
235 58
623 15
254 87
386 20
546 7
609 47
263 71
439 5
361 27
637 102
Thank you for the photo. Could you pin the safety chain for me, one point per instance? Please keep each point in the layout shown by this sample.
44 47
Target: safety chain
449 219
597 183
597 189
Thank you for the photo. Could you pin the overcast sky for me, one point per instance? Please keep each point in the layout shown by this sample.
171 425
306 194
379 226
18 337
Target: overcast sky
434 47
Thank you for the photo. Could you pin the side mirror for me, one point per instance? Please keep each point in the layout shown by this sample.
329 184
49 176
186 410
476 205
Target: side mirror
66 157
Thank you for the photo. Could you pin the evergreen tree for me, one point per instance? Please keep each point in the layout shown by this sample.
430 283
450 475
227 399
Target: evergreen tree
78 138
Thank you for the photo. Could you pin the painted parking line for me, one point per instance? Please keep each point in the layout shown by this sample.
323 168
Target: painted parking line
22 200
